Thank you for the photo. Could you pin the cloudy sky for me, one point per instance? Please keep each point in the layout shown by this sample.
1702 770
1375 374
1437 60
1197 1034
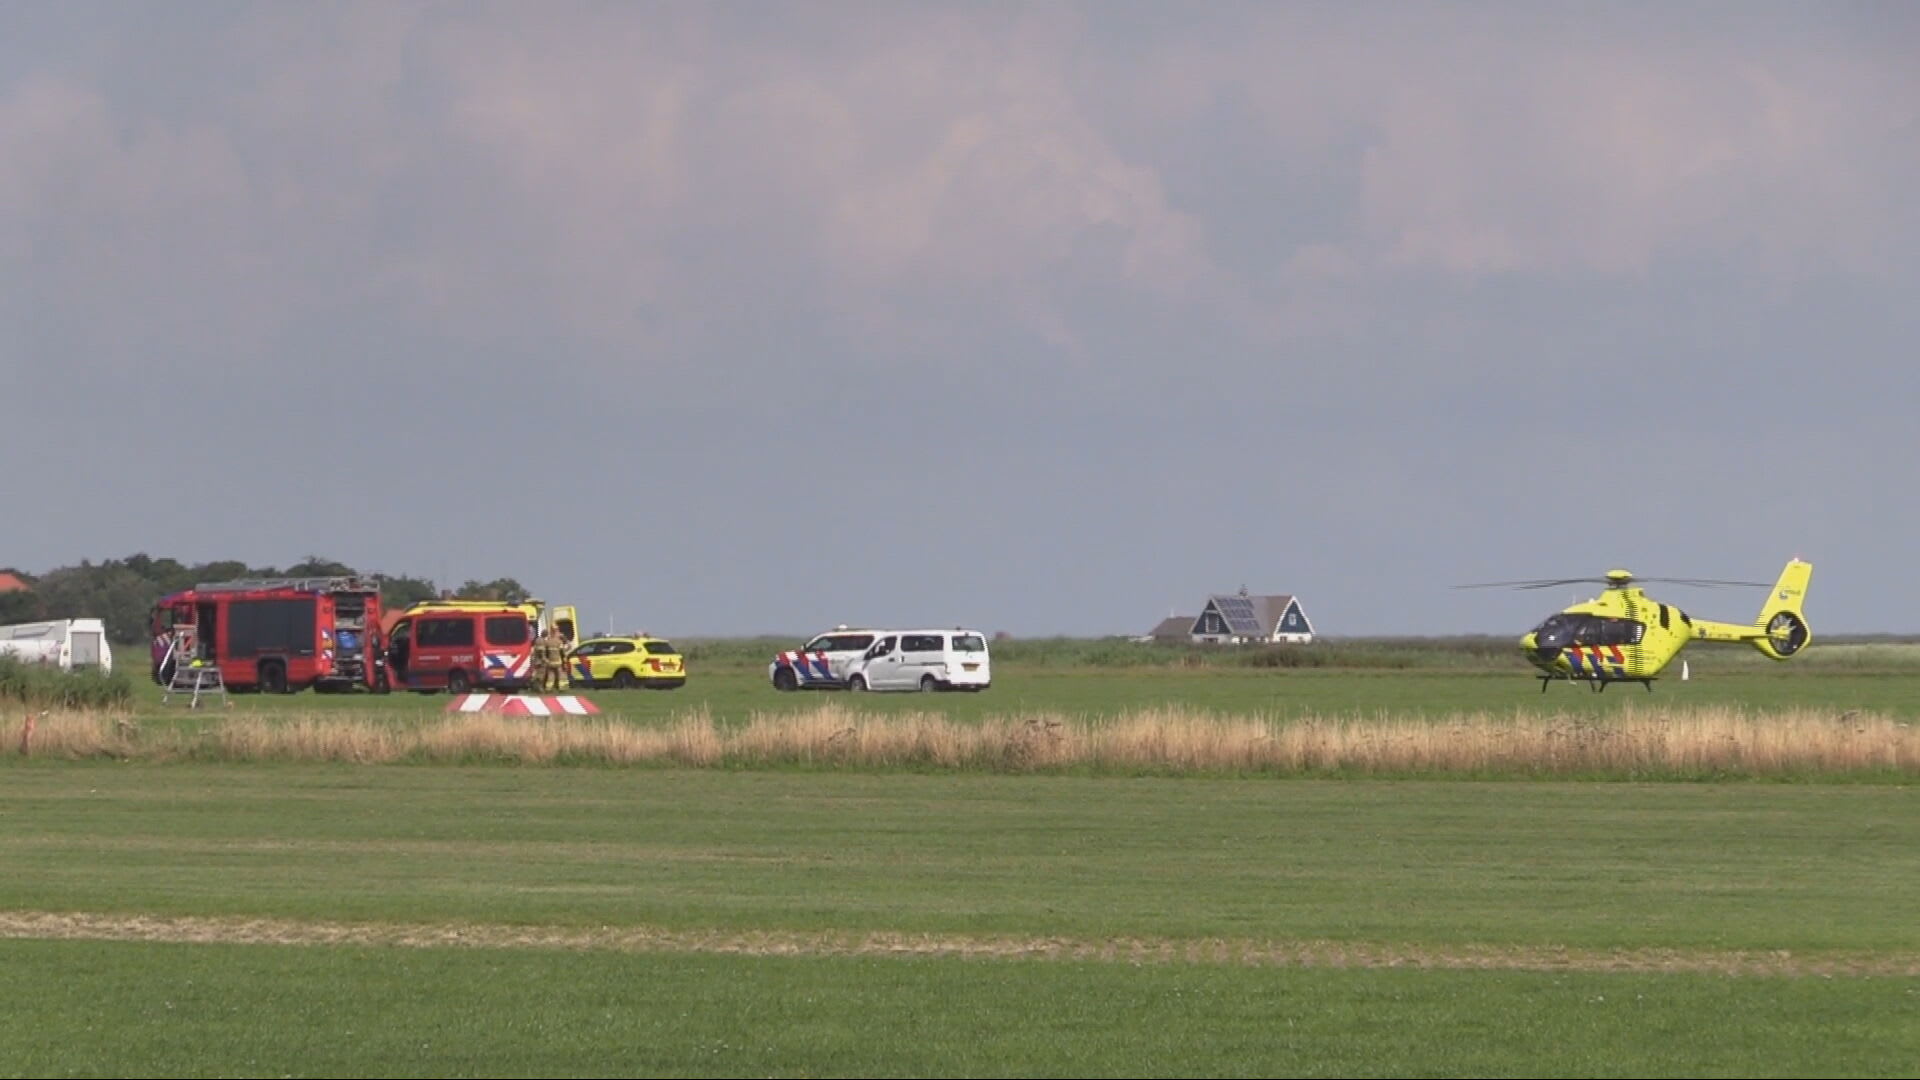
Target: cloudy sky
1051 318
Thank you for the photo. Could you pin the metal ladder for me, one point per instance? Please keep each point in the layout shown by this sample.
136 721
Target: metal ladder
191 677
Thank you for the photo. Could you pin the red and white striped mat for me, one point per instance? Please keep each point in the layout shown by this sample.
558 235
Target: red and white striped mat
523 705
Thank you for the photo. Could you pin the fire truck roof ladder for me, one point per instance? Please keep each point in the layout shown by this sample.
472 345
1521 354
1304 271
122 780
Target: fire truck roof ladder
299 584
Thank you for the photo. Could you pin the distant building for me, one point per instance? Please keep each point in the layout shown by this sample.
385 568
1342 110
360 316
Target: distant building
1170 629
1239 619
11 582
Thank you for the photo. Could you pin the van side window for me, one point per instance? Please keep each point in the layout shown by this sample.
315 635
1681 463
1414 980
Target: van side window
445 633
838 643
507 630
883 647
921 643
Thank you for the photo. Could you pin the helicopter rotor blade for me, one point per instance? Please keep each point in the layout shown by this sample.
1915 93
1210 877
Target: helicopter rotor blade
1538 583
1616 581
1708 583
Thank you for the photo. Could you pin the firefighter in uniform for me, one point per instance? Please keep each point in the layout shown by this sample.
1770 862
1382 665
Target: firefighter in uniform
539 658
551 660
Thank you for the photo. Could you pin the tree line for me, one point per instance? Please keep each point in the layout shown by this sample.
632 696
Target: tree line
122 591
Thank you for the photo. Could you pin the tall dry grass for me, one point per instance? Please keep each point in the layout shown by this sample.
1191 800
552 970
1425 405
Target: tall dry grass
1652 743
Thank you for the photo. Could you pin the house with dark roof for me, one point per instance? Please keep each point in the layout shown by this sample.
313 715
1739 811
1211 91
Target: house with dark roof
1173 628
1240 619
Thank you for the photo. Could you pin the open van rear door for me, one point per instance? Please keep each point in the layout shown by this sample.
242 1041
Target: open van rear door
563 616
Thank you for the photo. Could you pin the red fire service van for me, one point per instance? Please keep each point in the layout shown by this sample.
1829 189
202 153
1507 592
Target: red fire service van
462 645
276 635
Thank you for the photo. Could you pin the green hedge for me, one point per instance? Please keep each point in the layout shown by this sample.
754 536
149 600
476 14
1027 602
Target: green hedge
47 687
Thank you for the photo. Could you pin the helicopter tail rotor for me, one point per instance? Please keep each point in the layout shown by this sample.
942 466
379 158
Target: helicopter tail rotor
1787 633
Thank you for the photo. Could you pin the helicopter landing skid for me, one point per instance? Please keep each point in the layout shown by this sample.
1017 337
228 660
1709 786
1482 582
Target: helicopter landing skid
1595 685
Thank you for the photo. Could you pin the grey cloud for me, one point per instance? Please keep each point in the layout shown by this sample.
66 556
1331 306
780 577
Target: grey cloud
1095 307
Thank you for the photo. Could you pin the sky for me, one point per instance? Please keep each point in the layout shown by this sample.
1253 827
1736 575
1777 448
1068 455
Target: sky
737 318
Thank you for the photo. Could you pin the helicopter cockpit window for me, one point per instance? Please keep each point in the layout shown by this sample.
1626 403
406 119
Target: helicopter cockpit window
1604 631
1564 629
1559 631
1555 624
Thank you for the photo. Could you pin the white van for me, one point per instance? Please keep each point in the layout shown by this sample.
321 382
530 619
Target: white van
822 663
62 643
924 660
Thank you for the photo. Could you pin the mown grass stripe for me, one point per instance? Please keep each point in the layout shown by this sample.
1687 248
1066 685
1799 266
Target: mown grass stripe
51 925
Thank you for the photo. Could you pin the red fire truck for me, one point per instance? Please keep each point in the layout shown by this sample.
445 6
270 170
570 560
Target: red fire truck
276 635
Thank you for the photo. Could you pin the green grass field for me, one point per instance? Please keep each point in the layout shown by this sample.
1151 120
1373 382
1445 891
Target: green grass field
418 920
92 1009
735 695
195 918
1090 679
1596 866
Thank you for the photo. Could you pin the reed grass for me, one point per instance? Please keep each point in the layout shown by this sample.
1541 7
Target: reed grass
46 686
1708 742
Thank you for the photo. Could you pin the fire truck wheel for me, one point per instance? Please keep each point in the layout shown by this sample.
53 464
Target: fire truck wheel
273 678
457 682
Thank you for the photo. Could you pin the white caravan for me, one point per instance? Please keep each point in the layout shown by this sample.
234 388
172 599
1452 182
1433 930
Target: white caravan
64 643
924 660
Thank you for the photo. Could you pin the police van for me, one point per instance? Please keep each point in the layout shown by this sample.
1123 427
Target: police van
923 660
822 663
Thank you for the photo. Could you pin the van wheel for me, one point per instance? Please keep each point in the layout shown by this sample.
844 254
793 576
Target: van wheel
928 684
273 678
857 683
457 682
784 679
623 679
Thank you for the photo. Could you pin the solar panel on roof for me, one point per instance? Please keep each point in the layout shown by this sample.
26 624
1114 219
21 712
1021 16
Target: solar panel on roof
1238 611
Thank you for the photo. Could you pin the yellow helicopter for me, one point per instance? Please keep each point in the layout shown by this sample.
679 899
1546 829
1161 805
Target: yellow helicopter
1624 635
